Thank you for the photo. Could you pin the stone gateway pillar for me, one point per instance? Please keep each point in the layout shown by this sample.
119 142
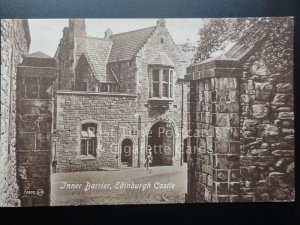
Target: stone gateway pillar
213 160
34 118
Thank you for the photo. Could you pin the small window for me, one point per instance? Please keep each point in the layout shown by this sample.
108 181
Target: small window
161 40
88 139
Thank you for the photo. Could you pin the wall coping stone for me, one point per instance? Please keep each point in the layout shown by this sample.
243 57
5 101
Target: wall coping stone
214 67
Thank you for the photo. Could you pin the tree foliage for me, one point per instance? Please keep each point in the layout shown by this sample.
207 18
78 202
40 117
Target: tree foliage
277 47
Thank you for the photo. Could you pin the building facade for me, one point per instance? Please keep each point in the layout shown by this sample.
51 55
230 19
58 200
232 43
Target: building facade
116 97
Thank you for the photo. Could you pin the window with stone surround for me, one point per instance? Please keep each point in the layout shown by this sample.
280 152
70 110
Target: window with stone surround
162 83
88 139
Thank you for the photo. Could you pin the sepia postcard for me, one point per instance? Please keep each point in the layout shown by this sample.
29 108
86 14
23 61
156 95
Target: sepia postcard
146 111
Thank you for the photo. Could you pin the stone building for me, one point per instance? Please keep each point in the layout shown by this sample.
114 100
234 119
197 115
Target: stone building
241 108
118 96
15 42
102 102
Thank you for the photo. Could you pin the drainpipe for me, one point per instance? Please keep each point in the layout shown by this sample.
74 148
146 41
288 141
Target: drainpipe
54 162
139 140
181 135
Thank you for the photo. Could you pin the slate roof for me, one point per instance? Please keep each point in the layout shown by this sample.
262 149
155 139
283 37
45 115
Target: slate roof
126 45
162 59
97 52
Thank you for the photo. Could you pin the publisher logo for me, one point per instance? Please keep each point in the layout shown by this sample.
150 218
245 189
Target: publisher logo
40 192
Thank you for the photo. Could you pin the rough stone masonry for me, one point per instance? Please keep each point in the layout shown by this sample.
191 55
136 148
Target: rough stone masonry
34 132
15 41
243 109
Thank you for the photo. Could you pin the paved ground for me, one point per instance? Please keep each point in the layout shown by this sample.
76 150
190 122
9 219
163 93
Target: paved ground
82 195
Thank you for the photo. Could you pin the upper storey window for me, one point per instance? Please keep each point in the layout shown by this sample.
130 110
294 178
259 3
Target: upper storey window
162 83
161 77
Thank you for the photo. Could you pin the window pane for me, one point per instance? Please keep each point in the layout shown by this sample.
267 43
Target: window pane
171 76
84 134
155 90
88 139
165 90
91 147
155 75
89 126
83 147
91 132
171 91
166 76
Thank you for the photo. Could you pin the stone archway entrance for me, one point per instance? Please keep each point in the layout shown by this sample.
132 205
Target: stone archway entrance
126 152
161 140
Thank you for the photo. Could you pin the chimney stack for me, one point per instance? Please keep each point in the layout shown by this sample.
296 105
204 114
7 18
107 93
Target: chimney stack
108 33
161 23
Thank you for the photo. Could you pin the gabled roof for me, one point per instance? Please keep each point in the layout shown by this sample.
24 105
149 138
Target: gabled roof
162 59
38 55
126 45
97 52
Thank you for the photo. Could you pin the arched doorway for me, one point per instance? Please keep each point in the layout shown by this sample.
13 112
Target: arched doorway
126 153
161 142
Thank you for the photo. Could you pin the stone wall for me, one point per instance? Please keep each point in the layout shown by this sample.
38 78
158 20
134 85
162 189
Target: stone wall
214 122
244 114
65 61
115 117
34 121
15 41
267 137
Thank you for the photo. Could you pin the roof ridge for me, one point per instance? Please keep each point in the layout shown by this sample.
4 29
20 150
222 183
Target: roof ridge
133 31
97 38
39 54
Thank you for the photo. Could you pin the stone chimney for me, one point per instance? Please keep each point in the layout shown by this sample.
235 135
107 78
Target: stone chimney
77 36
77 27
108 33
161 23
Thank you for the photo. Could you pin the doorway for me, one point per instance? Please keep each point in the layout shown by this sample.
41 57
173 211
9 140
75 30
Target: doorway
126 153
161 142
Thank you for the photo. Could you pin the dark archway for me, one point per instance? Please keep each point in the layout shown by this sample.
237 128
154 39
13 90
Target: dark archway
161 141
126 153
